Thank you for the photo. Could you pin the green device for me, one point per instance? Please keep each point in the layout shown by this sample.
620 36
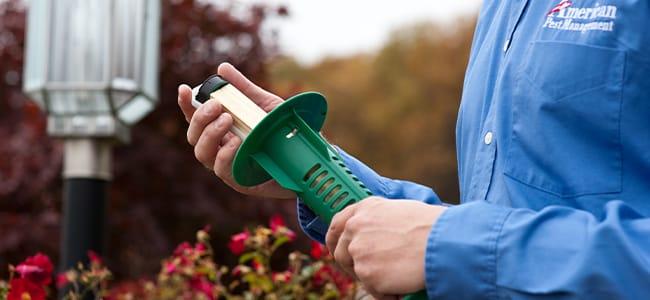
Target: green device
286 146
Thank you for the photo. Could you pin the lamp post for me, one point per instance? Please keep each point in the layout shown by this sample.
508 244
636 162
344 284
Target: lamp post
92 66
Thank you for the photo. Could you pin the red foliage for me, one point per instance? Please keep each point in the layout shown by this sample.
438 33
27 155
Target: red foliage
159 193
29 161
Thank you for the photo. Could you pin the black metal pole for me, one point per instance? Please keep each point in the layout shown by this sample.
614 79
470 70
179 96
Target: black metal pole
84 220
86 173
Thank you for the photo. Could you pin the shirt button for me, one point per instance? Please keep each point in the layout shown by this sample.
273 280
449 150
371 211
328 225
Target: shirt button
488 138
506 45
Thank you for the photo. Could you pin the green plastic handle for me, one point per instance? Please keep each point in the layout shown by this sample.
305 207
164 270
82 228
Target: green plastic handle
285 146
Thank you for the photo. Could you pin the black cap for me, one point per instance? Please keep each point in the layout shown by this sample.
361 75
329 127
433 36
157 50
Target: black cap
209 86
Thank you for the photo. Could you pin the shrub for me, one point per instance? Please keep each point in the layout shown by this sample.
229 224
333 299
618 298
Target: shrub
192 273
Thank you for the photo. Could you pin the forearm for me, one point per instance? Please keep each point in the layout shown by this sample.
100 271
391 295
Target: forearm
488 251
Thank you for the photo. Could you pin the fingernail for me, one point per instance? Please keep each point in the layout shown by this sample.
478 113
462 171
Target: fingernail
221 119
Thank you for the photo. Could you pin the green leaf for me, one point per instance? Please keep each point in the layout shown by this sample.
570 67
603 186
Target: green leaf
279 242
246 257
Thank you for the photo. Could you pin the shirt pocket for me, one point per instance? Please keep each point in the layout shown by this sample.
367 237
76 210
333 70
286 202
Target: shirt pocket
566 113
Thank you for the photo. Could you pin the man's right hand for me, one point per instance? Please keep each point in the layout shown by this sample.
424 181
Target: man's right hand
214 146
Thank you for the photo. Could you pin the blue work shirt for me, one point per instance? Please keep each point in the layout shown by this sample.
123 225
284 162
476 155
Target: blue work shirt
553 141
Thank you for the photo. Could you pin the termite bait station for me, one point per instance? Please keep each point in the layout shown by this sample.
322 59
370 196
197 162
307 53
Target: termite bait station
285 145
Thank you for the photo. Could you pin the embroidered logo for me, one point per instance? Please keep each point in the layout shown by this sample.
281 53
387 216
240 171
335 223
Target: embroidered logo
566 17
563 4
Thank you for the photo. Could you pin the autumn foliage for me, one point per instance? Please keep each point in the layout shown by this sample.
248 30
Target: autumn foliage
394 108
159 192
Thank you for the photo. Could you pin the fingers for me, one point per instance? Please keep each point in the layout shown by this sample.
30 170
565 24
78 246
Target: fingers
342 255
223 162
203 116
185 101
208 145
238 80
338 226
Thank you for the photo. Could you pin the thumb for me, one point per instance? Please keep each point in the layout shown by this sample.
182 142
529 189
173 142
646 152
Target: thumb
248 88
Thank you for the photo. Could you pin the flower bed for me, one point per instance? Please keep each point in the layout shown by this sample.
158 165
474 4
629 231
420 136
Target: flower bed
191 273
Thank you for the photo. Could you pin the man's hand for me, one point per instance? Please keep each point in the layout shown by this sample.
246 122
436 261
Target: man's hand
214 146
382 243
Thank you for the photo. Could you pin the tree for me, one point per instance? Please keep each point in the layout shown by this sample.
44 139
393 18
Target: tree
160 195
395 108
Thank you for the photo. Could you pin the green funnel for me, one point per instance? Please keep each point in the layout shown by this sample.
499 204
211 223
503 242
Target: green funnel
286 146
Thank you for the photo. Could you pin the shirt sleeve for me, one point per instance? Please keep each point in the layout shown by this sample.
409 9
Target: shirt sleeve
378 185
484 251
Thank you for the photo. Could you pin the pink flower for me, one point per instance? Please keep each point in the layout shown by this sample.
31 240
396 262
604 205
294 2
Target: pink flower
276 222
61 280
200 248
317 250
170 267
290 234
37 269
94 257
202 285
277 225
237 242
182 249
21 289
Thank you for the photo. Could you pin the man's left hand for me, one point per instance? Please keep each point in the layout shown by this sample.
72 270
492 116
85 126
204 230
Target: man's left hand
383 242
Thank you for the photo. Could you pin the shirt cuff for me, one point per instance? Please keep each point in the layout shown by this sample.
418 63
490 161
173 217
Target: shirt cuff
310 223
317 229
460 260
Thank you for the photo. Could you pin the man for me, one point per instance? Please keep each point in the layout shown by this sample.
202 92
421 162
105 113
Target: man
553 141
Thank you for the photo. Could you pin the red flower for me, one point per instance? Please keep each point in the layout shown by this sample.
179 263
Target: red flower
61 280
257 266
317 250
202 285
170 267
276 222
37 269
328 273
343 282
183 248
94 257
200 248
237 271
237 242
321 276
24 289
281 276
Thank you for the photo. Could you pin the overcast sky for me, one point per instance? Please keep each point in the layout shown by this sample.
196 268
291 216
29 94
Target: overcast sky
338 27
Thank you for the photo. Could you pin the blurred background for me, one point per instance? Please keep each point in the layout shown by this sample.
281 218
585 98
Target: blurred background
391 71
